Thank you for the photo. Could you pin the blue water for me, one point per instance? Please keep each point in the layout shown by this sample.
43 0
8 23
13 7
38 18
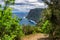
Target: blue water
24 21
21 14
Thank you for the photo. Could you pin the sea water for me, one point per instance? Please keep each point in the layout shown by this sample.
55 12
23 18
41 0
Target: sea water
24 20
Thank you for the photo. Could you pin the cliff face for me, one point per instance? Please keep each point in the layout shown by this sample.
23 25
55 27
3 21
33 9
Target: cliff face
34 14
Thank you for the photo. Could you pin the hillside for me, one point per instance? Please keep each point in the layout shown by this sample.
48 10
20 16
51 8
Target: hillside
34 14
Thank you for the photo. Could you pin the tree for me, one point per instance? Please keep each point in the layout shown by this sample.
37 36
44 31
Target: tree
54 6
9 26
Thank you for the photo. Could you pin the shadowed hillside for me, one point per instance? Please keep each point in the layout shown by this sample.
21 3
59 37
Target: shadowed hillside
34 14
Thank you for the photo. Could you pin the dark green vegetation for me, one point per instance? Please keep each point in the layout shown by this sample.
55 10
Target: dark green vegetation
52 18
49 23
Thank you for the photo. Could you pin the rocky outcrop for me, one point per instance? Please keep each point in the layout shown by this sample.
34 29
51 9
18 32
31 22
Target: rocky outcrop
34 14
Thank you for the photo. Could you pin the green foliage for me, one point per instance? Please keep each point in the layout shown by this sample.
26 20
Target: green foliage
45 24
9 26
7 37
53 17
30 29
46 27
8 2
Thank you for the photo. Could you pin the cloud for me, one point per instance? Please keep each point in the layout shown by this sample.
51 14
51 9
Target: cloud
31 0
23 8
21 1
1 2
26 5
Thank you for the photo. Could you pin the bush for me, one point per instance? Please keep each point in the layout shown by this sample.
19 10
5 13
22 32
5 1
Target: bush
30 29
9 26
46 27
27 30
45 23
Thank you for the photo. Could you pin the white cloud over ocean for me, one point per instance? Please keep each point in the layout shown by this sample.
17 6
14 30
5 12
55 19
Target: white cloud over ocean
18 1
26 5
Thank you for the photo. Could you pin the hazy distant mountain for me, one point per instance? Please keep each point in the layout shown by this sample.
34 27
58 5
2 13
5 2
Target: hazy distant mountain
34 14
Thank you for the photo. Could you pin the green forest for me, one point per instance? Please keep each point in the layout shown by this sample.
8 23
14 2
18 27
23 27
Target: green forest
10 28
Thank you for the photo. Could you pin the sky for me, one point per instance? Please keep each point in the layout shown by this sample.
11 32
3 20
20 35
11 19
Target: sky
26 5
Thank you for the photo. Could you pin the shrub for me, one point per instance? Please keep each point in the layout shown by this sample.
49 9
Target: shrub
46 27
45 23
30 29
9 26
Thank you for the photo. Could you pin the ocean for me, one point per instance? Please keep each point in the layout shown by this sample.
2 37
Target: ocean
22 12
24 20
